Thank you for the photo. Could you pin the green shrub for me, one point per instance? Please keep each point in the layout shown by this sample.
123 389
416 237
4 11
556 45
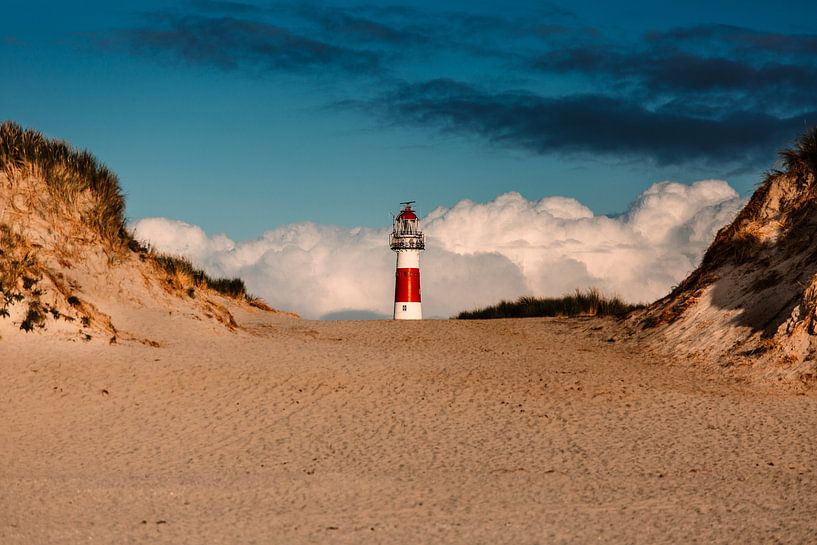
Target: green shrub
583 302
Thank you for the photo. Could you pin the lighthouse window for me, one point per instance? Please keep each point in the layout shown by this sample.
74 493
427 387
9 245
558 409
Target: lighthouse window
405 307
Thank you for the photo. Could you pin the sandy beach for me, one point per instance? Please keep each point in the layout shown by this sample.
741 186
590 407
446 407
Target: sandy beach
292 431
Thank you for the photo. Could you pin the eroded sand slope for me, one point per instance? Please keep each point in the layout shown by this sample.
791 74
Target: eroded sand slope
509 431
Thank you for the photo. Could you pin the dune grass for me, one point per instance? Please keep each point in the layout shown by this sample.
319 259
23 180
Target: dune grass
590 302
79 184
176 266
68 173
803 155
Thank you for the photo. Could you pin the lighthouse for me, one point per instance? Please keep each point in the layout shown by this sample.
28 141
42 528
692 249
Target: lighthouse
407 240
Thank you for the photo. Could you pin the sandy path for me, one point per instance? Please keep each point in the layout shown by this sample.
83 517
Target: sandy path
511 431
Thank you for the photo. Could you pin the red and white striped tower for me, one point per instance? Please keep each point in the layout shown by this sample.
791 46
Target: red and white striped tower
407 240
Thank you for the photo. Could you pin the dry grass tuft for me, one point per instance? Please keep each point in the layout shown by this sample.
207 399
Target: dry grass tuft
183 275
22 283
802 158
259 303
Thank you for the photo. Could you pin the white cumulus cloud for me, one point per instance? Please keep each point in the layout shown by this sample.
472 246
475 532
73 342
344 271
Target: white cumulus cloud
477 253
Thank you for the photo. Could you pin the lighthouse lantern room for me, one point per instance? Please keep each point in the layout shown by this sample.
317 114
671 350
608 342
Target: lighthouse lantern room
407 240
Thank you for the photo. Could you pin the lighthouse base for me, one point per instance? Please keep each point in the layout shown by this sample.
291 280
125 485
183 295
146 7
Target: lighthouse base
407 311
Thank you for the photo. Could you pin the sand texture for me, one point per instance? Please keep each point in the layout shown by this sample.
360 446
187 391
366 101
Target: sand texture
289 431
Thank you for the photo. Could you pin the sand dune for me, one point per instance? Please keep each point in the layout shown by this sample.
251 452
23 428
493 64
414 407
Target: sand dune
291 431
752 302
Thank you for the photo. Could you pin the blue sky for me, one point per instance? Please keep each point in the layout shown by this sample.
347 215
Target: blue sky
241 117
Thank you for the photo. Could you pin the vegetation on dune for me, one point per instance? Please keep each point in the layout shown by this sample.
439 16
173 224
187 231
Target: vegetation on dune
802 158
590 302
186 274
68 173
737 242
78 183
20 277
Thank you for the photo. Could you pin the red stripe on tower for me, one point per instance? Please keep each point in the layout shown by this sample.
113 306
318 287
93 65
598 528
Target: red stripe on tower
408 241
407 286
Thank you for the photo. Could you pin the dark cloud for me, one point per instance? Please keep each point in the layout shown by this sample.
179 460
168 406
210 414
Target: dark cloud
303 35
707 93
225 7
588 124
230 43
737 39
356 27
695 94
673 73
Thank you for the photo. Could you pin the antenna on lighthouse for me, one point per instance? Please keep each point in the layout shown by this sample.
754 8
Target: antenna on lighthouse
408 241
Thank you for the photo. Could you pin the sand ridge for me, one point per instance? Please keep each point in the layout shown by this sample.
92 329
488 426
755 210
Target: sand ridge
294 431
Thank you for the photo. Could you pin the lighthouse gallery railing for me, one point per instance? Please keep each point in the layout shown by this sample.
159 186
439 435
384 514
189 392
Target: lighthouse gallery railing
415 241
